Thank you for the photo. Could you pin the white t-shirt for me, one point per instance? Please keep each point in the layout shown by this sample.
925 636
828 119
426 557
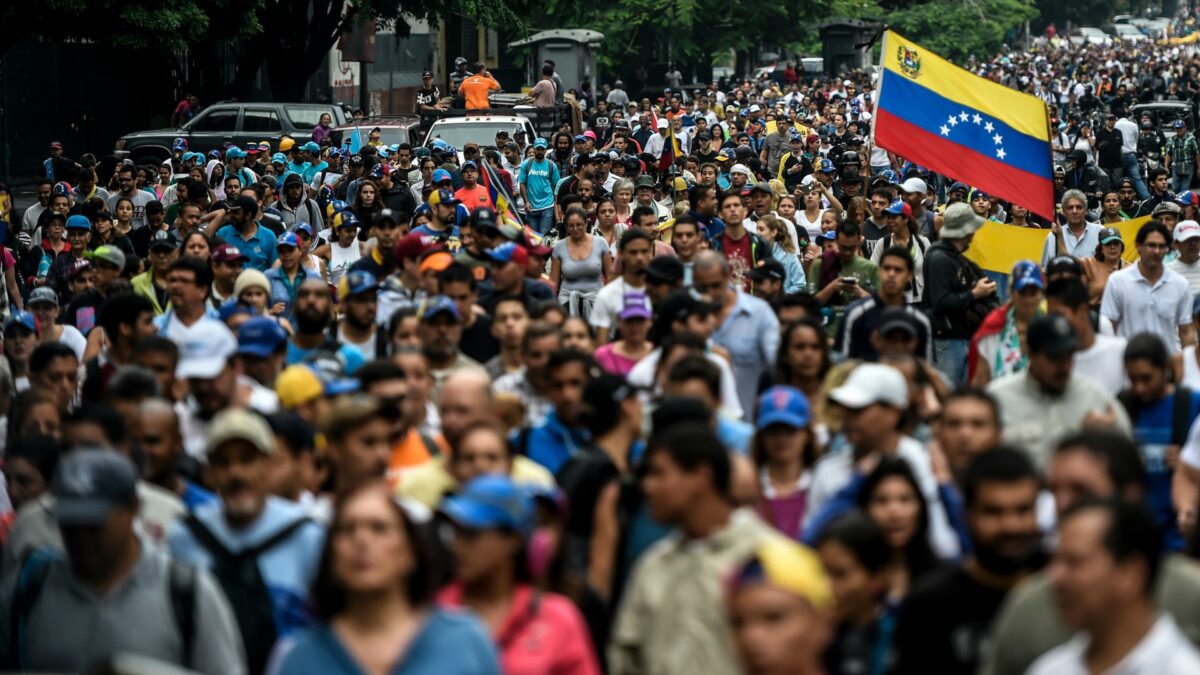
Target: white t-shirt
1189 272
72 338
1165 650
813 226
1104 363
642 375
609 302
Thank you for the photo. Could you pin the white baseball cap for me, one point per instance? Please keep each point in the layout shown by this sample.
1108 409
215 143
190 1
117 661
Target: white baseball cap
1188 229
663 123
205 350
914 184
872 383
846 83
742 169
755 108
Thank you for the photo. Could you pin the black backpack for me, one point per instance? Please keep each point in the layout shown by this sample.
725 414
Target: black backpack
240 578
35 568
1181 413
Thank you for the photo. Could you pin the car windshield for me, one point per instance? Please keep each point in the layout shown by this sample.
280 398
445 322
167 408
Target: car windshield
482 133
387 135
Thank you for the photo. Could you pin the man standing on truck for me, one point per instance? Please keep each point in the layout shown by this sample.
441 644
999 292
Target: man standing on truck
475 89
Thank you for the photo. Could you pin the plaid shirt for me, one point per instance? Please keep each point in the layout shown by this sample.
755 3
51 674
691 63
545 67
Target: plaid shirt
1183 152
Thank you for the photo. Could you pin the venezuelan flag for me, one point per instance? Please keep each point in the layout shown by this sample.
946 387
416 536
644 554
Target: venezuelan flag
670 150
966 127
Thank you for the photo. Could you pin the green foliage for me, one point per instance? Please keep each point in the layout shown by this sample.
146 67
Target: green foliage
1079 12
956 29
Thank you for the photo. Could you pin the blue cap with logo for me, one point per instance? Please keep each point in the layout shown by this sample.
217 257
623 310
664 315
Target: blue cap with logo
279 158
490 502
1026 273
288 239
78 222
784 405
540 143
827 166
439 304
21 318
355 283
440 176
260 337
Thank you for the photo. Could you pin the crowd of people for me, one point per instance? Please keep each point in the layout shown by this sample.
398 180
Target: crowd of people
710 387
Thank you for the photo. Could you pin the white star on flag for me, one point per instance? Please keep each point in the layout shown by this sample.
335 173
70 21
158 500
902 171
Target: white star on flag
945 130
952 121
963 116
976 118
997 139
988 127
1000 153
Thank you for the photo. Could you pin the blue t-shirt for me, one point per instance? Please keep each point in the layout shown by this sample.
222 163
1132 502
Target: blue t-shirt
259 249
450 642
539 179
1152 431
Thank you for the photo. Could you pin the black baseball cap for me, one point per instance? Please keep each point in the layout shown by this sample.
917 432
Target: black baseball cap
1052 335
897 319
1064 264
164 239
681 304
664 269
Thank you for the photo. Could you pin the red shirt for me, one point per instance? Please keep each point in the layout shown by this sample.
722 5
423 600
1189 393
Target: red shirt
475 197
737 253
543 634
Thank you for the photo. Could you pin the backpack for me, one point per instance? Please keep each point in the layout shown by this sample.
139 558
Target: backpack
240 578
1181 413
35 568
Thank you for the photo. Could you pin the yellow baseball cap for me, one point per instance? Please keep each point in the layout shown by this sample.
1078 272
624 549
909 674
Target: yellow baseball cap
298 385
790 566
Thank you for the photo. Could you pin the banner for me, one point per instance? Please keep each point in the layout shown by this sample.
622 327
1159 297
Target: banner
998 247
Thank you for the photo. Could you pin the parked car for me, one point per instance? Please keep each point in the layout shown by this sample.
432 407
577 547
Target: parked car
226 123
1085 35
393 130
1164 114
1125 32
476 128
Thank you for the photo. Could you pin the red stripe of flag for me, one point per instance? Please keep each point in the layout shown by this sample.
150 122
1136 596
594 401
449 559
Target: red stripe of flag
963 164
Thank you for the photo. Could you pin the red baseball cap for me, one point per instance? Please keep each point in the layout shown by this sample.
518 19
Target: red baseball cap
414 245
227 253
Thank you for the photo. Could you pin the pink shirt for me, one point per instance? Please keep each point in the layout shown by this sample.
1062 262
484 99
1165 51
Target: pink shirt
543 634
612 362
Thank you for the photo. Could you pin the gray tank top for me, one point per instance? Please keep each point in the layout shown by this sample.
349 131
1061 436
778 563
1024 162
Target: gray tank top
585 275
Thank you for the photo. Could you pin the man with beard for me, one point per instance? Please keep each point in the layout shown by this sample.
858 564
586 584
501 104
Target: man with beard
386 231
509 264
125 318
158 434
943 624
1048 400
562 153
537 178
311 316
440 330
262 549
357 295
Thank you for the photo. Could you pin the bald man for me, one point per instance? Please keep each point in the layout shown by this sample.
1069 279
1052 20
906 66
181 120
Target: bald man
158 434
466 403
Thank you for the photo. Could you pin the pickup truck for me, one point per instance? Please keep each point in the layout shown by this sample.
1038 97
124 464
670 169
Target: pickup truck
227 123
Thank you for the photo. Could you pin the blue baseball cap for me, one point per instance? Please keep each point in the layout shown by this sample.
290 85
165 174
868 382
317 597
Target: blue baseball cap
260 337
287 239
179 144
1027 273
896 208
303 227
231 308
440 175
437 305
21 318
490 502
234 152
469 164
784 405
827 166
78 222
508 252
355 283
581 139
540 143
311 147
279 158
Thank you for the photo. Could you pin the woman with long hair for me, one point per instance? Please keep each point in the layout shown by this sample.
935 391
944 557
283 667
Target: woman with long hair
857 559
1107 259
804 358
123 216
104 231
857 210
535 632
891 498
580 263
1019 216
372 598
775 233
367 203
784 449
608 225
